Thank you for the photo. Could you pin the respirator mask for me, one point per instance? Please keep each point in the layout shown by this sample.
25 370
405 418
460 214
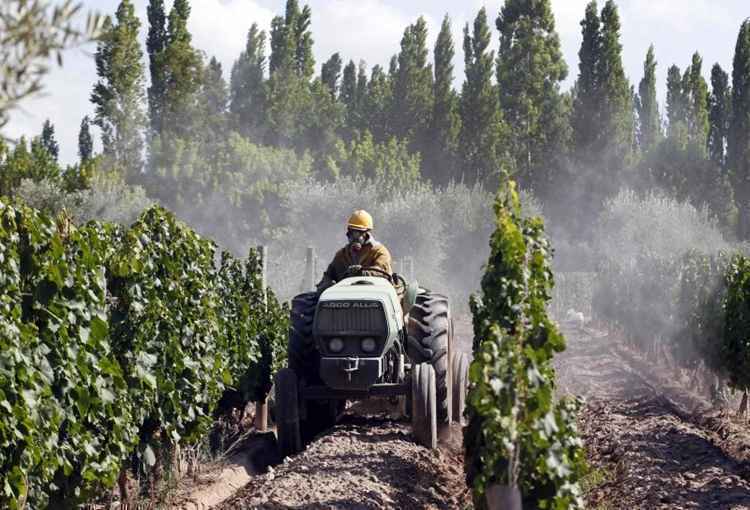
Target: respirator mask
356 238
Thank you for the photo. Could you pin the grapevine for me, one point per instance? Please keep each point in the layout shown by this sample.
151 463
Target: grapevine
517 434
114 343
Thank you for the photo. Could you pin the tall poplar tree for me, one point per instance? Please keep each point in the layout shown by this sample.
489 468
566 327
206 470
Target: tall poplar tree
330 73
588 94
215 99
649 120
182 65
481 121
696 91
412 88
348 97
530 67
603 115
156 41
440 159
291 41
360 119
248 90
294 105
616 108
677 104
119 93
739 132
377 104
85 141
720 108
48 140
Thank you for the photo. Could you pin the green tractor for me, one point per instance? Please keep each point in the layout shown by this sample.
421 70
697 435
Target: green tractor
369 336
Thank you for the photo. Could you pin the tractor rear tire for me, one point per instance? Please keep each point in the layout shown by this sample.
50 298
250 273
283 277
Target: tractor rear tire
424 406
287 413
430 324
460 375
304 360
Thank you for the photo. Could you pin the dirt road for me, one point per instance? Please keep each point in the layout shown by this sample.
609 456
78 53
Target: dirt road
653 444
363 463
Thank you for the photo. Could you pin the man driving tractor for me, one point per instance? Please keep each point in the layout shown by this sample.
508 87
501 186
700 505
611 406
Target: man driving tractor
362 255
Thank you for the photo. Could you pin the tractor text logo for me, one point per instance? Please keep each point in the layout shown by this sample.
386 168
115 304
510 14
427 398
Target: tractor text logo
349 304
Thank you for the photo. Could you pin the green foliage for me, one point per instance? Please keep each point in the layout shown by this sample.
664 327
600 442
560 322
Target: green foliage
616 109
24 162
165 326
689 162
33 32
389 165
649 120
412 88
602 117
247 89
440 160
676 103
735 350
696 92
255 343
738 147
720 109
119 93
48 140
182 74
530 68
482 126
155 44
700 310
114 342
85 141
663 280
105 199
587 86
59 381
517 433
330 73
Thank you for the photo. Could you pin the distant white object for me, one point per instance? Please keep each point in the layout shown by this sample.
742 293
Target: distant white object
575 318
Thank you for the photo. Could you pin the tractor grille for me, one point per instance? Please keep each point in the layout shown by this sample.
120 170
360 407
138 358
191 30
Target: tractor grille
351 318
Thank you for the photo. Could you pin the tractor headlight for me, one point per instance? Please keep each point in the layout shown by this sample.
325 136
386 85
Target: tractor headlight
336 345
369 345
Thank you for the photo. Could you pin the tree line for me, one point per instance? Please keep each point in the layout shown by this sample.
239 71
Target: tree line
172 123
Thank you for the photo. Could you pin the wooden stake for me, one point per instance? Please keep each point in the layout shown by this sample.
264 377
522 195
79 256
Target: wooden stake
261 415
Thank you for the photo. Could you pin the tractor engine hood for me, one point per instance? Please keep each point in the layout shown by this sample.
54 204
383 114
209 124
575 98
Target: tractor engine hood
356 322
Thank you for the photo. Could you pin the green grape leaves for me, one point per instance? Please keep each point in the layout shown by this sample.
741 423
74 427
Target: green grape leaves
115 340
517 433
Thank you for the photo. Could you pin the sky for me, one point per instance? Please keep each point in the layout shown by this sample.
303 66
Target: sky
371 30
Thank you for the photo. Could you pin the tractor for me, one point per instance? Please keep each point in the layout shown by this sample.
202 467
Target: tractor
363 337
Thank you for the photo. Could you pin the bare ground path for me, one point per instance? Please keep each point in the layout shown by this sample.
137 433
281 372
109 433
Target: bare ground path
654 444
363 463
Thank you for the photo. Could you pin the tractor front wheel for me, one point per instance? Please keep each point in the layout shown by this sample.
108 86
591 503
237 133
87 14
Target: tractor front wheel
460 374
424 405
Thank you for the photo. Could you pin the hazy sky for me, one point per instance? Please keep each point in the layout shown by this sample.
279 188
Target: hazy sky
371 30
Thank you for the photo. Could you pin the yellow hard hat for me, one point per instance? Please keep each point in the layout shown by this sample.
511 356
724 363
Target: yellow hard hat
360 220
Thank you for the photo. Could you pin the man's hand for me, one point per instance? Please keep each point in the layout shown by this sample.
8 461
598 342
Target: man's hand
354 270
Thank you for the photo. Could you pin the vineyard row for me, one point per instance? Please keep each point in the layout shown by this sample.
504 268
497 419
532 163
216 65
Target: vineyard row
116 342
693 310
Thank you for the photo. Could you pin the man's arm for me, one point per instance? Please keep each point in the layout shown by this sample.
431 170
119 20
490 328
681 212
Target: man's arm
381 259
331 274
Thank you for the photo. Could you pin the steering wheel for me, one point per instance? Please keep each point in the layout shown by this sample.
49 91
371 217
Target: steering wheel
375 269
